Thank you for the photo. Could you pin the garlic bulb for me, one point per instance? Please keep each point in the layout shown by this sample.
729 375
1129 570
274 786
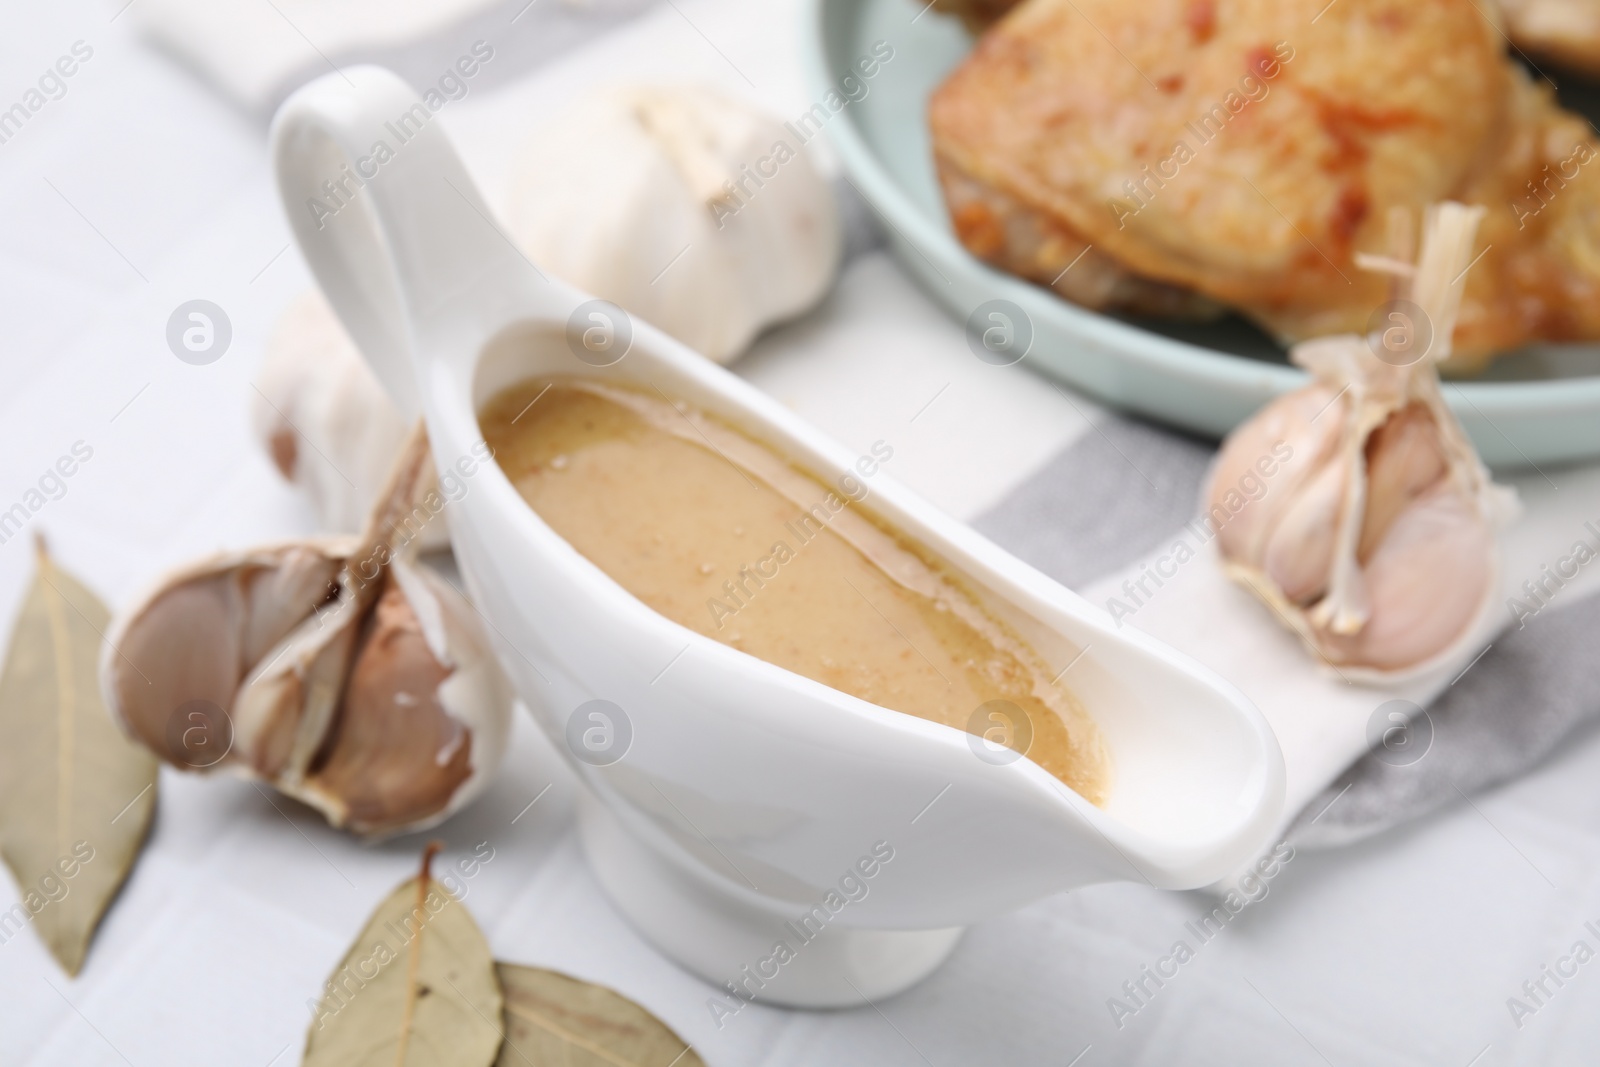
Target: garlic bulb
325 420
682 206
336 669
1356 506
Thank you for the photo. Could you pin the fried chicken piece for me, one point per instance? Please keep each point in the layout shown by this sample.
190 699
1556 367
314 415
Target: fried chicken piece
1563 32
1234 152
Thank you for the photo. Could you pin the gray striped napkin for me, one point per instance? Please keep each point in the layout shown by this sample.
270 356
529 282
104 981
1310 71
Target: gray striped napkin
1117 493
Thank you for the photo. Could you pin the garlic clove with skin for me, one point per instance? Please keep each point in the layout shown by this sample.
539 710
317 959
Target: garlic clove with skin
411 731
1292 435
1298 555
1405 457
1380 550
688 208
1426 580
339 670
225 613
286 703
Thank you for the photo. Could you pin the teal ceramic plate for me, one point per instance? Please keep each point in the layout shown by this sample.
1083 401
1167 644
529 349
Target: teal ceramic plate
1539 406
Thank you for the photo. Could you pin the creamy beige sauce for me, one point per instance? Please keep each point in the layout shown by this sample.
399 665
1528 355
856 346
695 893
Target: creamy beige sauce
720 534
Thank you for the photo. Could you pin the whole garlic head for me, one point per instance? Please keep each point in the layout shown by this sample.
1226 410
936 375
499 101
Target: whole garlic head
326 421
336 669
1374 537
682 206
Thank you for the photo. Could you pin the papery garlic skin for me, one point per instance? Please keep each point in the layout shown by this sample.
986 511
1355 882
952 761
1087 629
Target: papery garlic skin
1378 544
685 207
324 419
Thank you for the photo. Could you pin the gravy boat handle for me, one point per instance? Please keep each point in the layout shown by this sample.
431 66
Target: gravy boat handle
439 266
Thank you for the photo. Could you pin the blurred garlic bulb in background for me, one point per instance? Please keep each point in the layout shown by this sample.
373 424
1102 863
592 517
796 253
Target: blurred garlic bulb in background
326 421
687 208
1375 535
337 669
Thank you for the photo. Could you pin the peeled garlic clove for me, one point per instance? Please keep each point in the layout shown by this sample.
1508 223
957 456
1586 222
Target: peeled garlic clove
1277 450
685 207
1383 557
325 420
351 678
1427 582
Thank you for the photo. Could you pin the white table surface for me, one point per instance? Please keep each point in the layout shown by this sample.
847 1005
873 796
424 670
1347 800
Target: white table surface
140 189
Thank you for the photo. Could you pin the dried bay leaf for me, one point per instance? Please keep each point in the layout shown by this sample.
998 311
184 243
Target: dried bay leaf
76 796
417 989
555 1019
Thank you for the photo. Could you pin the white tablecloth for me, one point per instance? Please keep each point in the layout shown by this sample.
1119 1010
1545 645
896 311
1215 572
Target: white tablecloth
140 189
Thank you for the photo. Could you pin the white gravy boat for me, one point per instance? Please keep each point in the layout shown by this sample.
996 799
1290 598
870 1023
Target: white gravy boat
747 801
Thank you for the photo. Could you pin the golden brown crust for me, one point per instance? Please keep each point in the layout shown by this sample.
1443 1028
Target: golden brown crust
1007 233
1236 149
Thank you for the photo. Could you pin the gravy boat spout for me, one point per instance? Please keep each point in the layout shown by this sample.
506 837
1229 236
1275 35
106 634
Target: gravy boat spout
785 840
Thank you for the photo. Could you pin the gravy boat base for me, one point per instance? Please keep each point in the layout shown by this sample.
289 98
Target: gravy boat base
734 942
